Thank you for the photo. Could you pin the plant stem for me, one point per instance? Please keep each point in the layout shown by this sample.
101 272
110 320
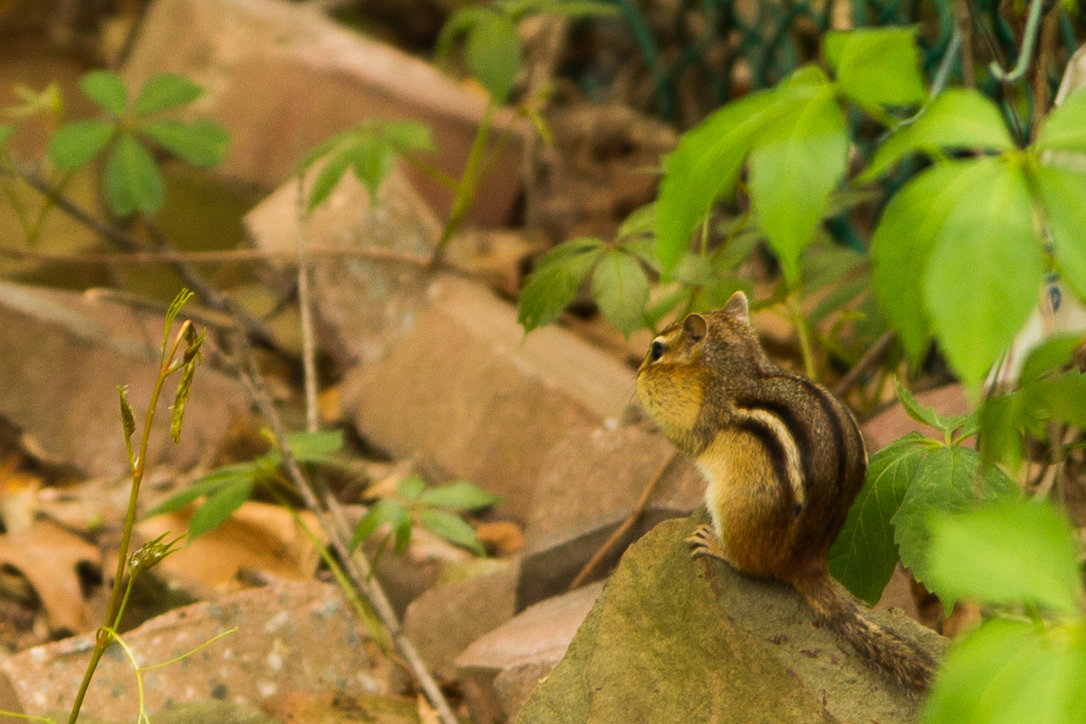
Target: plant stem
323 504
804 332
117 595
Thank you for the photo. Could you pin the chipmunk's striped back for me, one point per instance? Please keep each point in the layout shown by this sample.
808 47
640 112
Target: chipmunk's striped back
783 458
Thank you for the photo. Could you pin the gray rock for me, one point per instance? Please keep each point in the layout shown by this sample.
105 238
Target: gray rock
362 305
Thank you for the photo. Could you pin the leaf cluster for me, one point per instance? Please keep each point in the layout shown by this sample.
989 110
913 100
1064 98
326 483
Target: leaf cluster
436 508
793 140
956 254
1020 559
906 481
132 181
225 489
368 150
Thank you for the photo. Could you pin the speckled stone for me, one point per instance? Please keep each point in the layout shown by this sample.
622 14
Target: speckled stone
282 638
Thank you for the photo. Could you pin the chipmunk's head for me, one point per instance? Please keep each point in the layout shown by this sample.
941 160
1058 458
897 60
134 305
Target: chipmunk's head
693 360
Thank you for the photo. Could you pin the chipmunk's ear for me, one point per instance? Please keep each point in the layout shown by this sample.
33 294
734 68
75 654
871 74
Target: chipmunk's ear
737 306
695 327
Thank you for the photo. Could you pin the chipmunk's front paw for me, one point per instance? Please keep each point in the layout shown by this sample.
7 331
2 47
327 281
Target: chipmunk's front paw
704 542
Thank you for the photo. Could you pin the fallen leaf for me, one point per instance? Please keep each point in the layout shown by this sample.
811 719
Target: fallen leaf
257 537
48 556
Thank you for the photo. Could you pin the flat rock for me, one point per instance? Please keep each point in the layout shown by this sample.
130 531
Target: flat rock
290 637
446 618
671 639
64 356
590 484
282 77
469 395
499 670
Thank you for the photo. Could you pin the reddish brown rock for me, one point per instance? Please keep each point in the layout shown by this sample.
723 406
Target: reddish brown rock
362 304
471 396
64 356
282 77
289 637
499 670
445 619
590 484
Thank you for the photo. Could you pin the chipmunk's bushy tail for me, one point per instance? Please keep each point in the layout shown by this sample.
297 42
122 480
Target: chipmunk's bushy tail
899 659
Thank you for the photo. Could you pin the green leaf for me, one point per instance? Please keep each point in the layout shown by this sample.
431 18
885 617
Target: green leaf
76 143
203 143
371 161
315 447
554 283
492 53
958 119
164 91
1008 672
236 474
328 178
6 129
452 528
794 167
461 23
411 487
864 555
927 415
1051 354
1001 419
876 66
640 223
1064 129
383 511
902 244
106 89
704 168
1008 553
132 181
407 135
621 289
948 479
984 271
458 495
1062 192
219 506
1064 397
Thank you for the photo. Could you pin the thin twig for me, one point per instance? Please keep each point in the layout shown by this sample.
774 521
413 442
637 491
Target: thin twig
305 308
621 532
128 243
330 515
871 358
138 258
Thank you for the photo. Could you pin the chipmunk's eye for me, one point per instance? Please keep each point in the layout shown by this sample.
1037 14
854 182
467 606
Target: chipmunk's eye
657 349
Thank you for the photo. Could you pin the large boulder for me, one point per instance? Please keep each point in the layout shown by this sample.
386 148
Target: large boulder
672 639
282 77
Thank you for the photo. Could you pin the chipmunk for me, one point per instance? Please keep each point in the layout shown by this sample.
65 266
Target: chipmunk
783 459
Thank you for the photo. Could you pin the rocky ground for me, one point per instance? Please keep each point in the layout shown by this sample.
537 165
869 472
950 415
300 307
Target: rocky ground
427 372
